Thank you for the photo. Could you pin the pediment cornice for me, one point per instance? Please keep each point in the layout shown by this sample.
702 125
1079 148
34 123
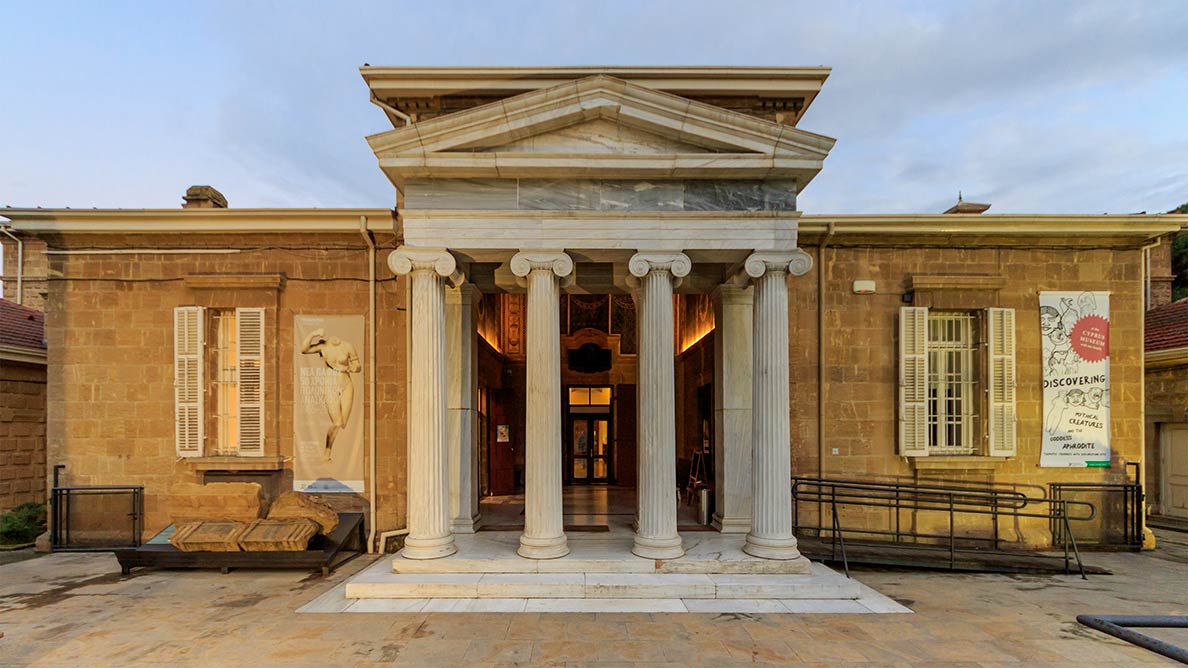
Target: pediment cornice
467 144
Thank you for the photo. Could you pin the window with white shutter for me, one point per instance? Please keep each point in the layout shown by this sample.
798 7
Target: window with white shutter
250 380
188 349
1001 380
913 381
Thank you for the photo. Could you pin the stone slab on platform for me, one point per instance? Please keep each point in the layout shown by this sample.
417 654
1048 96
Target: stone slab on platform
208 536
278 535
234 501
298 505
495 552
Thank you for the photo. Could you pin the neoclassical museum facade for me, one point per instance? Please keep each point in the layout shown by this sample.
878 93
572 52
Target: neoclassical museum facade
595 285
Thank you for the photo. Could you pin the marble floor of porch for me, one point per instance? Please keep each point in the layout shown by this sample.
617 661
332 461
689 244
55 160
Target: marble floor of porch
585 508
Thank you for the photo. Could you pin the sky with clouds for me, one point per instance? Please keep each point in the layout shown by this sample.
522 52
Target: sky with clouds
1035 107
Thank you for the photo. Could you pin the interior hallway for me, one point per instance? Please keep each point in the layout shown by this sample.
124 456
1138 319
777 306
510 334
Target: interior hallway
594 508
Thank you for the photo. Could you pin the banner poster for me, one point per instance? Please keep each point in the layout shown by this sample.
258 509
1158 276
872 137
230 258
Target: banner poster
1075 331
328 403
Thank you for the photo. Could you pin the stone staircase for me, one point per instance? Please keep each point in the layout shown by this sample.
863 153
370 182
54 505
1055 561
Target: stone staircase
600 574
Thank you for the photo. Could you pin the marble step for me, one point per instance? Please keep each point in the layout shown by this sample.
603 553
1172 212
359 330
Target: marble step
620 564
824 584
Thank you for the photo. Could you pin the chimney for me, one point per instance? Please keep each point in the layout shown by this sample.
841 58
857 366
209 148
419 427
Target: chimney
204 197
967 207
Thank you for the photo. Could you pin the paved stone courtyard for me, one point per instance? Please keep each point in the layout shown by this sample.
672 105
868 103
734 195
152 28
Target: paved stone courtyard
75 610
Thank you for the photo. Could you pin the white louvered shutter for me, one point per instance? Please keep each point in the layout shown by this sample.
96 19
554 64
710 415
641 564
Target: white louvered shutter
188 343
249 372
1001 380
913 381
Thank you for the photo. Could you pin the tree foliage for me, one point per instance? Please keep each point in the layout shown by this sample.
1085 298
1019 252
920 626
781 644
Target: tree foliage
1180 260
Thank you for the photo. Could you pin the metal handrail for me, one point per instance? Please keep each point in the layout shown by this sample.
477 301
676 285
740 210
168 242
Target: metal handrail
950 499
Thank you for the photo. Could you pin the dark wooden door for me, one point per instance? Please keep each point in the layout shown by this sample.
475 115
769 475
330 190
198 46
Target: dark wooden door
625 435
502 454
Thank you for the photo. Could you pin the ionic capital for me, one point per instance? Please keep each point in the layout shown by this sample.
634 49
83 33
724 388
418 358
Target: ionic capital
795 262
405 260
525 262
643 263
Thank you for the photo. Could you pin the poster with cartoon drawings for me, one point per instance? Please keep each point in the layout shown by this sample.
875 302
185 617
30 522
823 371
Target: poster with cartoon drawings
328 403
1075 340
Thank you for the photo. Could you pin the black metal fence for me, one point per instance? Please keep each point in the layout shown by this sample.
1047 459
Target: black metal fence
95 518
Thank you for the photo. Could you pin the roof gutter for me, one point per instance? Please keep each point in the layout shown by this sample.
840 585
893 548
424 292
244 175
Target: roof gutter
391 111
26 355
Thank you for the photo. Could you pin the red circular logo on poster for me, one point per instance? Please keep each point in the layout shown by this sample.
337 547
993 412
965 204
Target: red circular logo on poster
1091 338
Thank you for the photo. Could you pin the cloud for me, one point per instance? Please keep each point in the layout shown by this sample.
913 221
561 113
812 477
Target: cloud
1033 106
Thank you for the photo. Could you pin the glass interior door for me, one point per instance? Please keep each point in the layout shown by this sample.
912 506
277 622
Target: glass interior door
590 449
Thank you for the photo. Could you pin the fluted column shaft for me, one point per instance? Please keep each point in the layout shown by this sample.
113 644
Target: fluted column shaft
544 530
771 515
656 536
429 535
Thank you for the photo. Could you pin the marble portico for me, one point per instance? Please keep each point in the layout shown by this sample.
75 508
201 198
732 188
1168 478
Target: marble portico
597 185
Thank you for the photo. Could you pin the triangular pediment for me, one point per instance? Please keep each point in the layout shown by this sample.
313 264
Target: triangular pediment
599 126
599 136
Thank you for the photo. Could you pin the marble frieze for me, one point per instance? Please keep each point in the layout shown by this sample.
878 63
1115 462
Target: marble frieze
601 194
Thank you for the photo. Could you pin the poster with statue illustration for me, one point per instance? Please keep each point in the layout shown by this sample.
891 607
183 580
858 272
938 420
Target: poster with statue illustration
328 403
1075 340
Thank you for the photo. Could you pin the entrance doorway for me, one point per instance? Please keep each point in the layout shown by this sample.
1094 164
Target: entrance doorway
1174 470
588 442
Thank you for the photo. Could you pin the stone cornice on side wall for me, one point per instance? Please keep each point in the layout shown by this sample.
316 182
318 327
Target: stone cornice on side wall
198 221
867 229
987 229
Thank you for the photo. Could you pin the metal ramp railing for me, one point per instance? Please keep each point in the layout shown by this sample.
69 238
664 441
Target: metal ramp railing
950 501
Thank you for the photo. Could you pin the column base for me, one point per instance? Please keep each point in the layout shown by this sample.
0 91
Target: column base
731 524
658 548
463 525
771 548
428 548
543 548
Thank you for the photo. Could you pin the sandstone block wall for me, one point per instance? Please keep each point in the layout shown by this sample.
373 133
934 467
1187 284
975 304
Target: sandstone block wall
109 323
22 434
861 373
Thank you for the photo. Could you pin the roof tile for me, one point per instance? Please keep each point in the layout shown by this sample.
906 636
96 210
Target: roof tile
21 326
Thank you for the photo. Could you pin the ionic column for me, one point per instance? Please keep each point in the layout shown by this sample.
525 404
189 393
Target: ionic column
461 315
544 529
429 535
656 536
771 514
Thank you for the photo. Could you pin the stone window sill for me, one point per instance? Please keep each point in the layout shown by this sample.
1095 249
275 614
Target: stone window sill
237 463
957 463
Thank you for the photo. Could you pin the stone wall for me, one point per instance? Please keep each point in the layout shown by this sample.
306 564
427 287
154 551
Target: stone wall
109 323
861 371
1167 402
22 434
